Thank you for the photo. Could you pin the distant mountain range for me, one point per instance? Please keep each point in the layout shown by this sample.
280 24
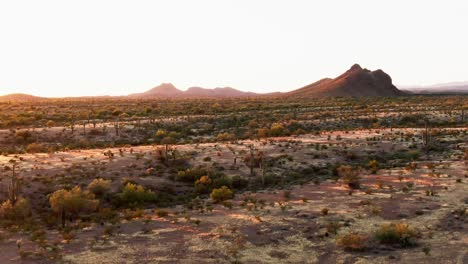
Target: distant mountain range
355 82
167 90
443 88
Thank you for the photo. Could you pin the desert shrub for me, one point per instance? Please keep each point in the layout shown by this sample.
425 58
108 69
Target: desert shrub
221 194
238 182
353 241
406 155
73 202
36 148
105 214
161 213
333 227
95 132
99 187
135 195
277 129
23 136
396 234
191 175
349 175
225 136
130 214
325 211
263 132
220 180
50 123
258 158
373 166
203 185
15 212
270 179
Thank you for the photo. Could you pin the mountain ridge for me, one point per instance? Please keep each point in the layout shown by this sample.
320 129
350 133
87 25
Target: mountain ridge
354 82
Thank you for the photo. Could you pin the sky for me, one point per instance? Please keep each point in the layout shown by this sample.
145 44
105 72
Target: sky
112 47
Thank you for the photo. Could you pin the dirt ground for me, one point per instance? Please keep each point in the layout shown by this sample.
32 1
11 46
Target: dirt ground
268 226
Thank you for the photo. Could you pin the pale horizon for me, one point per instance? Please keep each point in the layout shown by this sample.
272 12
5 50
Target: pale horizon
87 48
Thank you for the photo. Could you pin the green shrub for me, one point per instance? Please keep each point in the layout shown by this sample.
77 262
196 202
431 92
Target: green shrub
221 194
135 195
191 175
221 180
99 187
19 211
238 182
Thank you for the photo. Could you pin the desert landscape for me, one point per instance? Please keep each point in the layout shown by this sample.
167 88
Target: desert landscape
236 132
277 178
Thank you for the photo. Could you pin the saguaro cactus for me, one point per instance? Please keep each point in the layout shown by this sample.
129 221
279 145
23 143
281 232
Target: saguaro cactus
252 160
14 185
427 135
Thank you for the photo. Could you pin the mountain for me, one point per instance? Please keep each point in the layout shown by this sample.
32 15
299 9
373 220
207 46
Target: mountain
443 88
356 82
19 97
163 90
167 90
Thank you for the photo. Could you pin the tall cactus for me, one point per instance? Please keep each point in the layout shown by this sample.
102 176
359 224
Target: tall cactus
426 135
14 186
252 160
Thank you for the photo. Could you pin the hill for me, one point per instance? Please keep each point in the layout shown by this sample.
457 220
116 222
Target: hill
19 97
356 82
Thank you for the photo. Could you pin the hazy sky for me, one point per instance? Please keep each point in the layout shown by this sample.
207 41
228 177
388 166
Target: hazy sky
68 48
